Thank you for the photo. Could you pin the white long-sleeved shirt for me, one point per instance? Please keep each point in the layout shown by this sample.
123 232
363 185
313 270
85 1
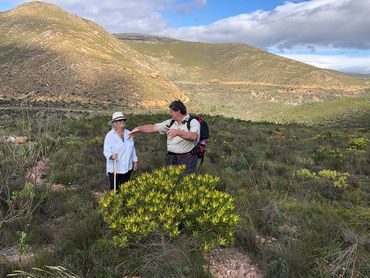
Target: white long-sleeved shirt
125 148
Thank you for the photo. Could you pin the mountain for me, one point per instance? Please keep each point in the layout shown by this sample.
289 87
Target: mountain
200 62
362 76
242 81
143 37
47 54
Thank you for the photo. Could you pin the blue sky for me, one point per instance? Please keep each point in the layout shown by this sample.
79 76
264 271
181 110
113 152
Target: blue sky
5 6
207 12
330 34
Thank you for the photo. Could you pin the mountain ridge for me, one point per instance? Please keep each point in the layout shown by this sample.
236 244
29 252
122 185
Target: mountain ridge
49 54
242 81
233 57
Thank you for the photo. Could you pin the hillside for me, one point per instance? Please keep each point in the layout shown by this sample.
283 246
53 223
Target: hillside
346 111
242 81
203 62
47 54
143 37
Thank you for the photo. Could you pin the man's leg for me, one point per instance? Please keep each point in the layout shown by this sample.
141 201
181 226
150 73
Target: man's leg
190 164
171 160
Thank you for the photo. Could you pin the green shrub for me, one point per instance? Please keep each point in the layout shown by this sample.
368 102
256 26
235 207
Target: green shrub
334 178
305 174
229 148
328 157
48 144
358 144
330 183
20 205
248 159
38 234
166 204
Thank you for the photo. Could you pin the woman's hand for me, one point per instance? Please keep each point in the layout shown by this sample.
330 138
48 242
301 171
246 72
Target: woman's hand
135 166
133 132
114 156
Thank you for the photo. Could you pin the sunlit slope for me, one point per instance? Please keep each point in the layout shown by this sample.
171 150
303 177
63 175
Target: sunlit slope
199 62
346 111
49 54
245 82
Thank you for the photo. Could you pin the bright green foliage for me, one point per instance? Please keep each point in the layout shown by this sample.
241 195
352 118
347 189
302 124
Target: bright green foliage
358 144
21 201
305 174
26 192
324 155
326 176
165 203
337 179
22 245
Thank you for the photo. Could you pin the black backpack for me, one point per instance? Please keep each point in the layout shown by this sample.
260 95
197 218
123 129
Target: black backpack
200 148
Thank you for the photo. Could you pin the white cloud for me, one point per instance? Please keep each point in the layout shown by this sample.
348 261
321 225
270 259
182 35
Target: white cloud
318 23
315 24
187 7
336 23
120 16
336 62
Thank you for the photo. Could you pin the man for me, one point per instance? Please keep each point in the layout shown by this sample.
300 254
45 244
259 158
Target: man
180 140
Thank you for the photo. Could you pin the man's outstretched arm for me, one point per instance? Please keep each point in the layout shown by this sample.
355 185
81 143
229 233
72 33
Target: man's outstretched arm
144 129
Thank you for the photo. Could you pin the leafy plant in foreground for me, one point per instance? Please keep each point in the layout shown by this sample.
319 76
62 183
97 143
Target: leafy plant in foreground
166 204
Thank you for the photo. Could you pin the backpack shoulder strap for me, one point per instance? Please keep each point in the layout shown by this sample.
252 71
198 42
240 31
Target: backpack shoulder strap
171 123
189 121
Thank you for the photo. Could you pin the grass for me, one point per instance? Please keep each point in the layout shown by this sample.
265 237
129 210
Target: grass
305 230
351 111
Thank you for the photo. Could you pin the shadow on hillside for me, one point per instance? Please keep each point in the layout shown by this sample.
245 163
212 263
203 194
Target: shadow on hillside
40 74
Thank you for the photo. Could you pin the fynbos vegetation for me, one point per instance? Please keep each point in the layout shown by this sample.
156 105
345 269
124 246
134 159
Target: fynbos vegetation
301 195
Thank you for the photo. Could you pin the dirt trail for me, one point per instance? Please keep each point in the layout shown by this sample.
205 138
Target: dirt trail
231 263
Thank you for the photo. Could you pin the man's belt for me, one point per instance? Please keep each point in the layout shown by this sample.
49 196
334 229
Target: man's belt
188 154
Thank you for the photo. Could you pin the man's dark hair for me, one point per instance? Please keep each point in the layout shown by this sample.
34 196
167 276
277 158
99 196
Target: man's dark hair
177 105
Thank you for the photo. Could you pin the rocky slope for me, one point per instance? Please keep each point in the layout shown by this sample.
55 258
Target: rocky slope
47 54
205 62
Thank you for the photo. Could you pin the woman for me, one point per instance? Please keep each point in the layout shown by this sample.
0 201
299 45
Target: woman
120 149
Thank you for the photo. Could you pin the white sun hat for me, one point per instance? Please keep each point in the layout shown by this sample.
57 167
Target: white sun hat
116 117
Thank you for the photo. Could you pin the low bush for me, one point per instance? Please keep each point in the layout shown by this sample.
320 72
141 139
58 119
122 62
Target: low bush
167 204
329 183
358 143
